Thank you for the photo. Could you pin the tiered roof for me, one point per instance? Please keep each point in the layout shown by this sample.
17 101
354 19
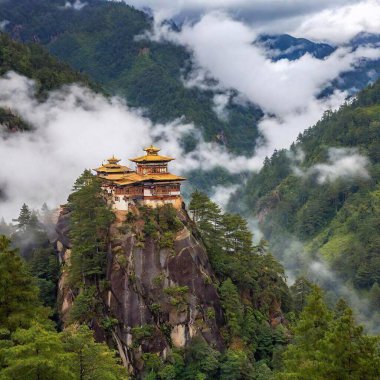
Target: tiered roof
151 156
123 175
113 168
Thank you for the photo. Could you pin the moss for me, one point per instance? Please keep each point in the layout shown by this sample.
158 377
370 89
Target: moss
167 240
210 313
177 295
158 280
141 333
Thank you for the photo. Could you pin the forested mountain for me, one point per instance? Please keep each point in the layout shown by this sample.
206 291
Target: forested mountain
36 63
325 190
100 40
212 305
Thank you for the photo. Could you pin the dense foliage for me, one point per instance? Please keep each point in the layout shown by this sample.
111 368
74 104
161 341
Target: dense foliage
329 345
30 347
100 40
338 216
89 226
36 63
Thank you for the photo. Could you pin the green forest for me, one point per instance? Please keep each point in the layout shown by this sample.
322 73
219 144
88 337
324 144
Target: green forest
340 218
100 41
308 341
188 293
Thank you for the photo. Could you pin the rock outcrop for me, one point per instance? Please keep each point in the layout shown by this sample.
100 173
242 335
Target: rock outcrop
161 295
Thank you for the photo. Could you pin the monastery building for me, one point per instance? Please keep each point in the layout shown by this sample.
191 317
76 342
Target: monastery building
150 183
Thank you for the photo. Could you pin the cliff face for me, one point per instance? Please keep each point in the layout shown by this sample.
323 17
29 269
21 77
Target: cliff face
161 293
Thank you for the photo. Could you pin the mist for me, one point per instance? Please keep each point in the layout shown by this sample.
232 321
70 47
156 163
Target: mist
75 129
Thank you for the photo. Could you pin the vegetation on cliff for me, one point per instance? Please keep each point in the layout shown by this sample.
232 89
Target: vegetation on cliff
30 346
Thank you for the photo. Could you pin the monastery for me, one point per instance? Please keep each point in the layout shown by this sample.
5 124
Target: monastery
150 183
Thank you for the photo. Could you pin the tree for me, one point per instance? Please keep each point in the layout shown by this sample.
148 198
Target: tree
201 361
300 290
374 297
233 309
330 346
19 301
36 354
346 353
301 356
24 217
89 224
90 360
236 366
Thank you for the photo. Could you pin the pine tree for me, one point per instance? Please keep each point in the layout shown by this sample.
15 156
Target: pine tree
374 297
301 356
36 354
346 353
330 346
24 217
90 220
300 290
236 366
232 307
19 301
90 360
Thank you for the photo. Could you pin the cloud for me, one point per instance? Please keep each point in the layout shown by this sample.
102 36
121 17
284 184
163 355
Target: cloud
223 47
340 24
77 5
220 103
287 91
278 13
3 24
221 194
76 129
342 163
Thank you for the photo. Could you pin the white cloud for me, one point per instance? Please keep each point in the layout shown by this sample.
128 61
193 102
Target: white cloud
340 24
220 104
278 13
77 129
77 5
3 24
343 163
223 48
221 194
287 91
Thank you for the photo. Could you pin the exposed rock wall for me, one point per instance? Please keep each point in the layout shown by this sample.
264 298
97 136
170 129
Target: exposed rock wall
160 297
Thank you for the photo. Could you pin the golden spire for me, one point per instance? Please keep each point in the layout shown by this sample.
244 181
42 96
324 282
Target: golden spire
152 150
113 160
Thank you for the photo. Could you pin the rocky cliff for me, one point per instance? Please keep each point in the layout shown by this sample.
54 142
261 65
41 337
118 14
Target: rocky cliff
160 285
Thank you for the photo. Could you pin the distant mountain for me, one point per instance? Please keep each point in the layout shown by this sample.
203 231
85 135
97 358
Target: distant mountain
36 63
324 193
287 47
100 40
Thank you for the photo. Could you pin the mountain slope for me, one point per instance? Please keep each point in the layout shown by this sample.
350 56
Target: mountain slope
36 63
100 40
326 198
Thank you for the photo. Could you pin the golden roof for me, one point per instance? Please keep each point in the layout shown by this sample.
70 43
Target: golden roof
123 175
130 178
113 160
152 156
113 167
